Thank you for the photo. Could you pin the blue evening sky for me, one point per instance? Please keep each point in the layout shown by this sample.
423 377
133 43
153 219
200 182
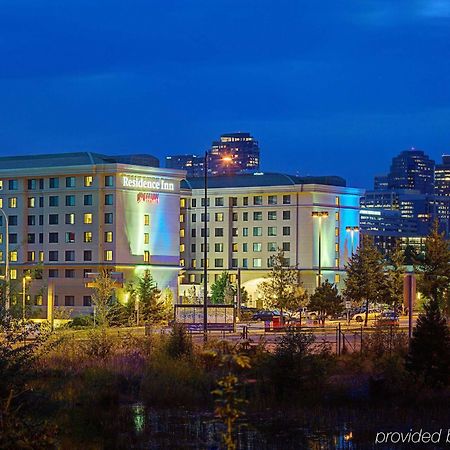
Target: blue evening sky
327 87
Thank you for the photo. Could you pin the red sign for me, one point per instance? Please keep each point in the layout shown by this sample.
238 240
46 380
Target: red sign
147 197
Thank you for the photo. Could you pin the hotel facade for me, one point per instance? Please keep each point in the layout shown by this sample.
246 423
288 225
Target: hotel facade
251 216
71 215
74 214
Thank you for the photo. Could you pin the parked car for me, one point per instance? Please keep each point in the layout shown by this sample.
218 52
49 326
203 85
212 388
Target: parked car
265 315
388 319
361 316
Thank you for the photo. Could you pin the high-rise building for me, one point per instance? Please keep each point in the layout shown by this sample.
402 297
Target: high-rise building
234 153
442 177
192 164
412 169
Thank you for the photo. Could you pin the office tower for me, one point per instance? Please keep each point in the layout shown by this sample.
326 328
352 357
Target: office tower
442 177
193 164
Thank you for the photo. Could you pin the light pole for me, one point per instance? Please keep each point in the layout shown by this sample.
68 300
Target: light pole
319 215
24 281
205 251
352 231
7 300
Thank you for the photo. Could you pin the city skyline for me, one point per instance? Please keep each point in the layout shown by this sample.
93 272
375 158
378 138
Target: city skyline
323 88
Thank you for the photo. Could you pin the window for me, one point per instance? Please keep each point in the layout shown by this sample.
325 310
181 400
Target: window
53 200
257 262
53 273
41 256
234 262
233 201
53 183
87 255
41 219
218 232
13 185
272 215
272 200
70 200
70 219
31 238
336 247
286 246
109 199
38 300
193 248
193 232
245 216
87 300
218 201
12 221
194 202
146 238
286 262
146 256
337 201
108 236
85 272
271 246
192 278
337 277
1 184
1 203
108 255
234 232
245 201
194 217
32 184
336 231
31 256
41 238
234 216
88 180
69 255
245 247
69 300
245 263
218 247
87 218
286 231
182 248
109 181
336 216
70 237
53 255
202 232
13 274
181 218
12 238
218 217
234 247
87 236
286 215
286 199
41 202
271 231
257 200
87 200
245 231
146 219
257 246
218 262
31 202
109 218
257 215
53 238
70 182
202 217
31 220
202 201
69 273
12 202
182 203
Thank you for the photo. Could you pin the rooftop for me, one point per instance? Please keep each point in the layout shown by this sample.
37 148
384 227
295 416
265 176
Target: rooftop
74 159
260 179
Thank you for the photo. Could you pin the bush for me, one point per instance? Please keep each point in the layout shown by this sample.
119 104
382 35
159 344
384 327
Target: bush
385 340
81 322
98 344
179 342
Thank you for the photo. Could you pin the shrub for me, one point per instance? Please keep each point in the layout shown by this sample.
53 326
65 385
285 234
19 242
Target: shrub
179 342
98 344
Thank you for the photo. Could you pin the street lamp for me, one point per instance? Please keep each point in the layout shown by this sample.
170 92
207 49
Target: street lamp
7 300
319 215
352 231
24 280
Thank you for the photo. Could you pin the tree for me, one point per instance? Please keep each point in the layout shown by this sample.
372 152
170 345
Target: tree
364 274
282 288
149 301
326 301
429 355
392 286
222 291
434 270
102 297
166 300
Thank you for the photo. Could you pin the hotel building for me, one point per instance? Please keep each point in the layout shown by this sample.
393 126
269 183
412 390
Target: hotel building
77 213
250 216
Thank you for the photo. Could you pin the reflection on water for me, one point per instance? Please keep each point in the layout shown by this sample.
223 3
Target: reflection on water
179 429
